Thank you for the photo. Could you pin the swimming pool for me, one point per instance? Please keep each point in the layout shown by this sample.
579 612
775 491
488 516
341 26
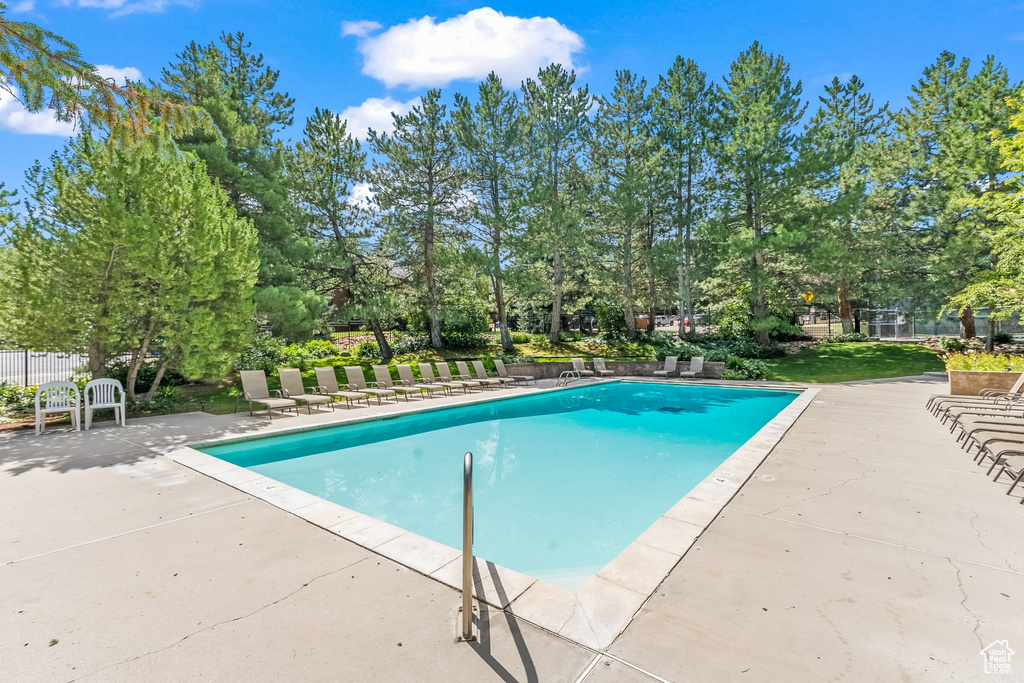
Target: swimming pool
563 481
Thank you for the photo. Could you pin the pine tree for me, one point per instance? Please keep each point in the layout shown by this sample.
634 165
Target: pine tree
843 242
418 179
684 111
232 83
130 250
558 133
626 163
759 108
492 134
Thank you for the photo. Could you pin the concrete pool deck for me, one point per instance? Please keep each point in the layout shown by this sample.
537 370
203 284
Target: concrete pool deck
867 546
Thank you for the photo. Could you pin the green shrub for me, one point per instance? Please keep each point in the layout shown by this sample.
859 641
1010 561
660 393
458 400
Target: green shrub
367 350
1002 338
463 341
953 344
321 348
990 362
846 337
505 358
520 338
15 399
265 353
405 345
165 399
610 316
463 321
744 368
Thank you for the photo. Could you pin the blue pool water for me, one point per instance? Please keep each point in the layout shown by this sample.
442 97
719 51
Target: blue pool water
563 481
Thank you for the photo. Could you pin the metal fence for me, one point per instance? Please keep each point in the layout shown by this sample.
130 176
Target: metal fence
24 367
895 323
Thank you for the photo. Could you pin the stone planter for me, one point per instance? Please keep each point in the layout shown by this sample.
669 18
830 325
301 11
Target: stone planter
971 382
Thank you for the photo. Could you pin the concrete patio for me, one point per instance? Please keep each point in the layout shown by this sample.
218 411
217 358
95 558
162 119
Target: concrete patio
867 546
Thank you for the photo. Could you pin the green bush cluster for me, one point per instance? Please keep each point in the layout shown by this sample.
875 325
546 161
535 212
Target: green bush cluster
953 345
16 399
846 337
460 341
713 349
404 345
367 350
520 338
744 368
990 362
265 353
1002 338
506 358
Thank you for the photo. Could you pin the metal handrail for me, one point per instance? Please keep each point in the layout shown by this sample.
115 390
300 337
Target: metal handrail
467 548
566 376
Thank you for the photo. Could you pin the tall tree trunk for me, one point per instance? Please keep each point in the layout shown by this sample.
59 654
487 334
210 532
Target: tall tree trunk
557 278
845 310
967 323
627 284
990 340
97 360
428 257
138 357
760 306
382 340
685 274
148 396
499 300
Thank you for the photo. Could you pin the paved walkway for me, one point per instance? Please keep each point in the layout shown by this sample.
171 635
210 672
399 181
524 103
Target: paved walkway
866 547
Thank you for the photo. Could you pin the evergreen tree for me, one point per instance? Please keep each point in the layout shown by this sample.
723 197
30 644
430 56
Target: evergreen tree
626 163
232 83
492 134
759 108
684 111
558 133
130 250
843 242
418 179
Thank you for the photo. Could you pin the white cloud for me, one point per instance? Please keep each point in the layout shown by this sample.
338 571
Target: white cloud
22 7
15 118
121 7
362 196
359 28
424 53
375 113
119 75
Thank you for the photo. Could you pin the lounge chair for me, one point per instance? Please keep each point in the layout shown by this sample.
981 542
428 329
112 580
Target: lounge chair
327 384
409 379
291 386
696 370
499 365
984 394
384 381
941 403
427 373
254 386
1008 406
466 375
357 382
579 366
57 397
480 372
104 393
600 370
1016 471
671 363
444 374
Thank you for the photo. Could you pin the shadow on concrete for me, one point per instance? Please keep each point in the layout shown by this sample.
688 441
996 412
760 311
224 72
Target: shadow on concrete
483 646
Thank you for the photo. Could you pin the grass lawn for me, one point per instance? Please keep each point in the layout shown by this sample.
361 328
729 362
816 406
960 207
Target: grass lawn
854 361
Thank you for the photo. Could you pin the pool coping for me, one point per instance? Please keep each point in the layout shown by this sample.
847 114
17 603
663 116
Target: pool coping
594 615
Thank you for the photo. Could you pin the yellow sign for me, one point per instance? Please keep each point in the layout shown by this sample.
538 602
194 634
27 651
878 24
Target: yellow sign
808 296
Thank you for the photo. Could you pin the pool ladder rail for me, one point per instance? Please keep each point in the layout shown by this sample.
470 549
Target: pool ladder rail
466 609
567 376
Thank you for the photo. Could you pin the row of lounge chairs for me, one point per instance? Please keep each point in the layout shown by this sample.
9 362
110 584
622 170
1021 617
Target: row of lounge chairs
696 370
383 387
992 422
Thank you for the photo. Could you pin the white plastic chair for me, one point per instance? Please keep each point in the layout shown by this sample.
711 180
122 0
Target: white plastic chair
59 397
103 393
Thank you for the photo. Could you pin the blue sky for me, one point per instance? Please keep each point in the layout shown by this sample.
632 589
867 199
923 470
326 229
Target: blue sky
370 58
